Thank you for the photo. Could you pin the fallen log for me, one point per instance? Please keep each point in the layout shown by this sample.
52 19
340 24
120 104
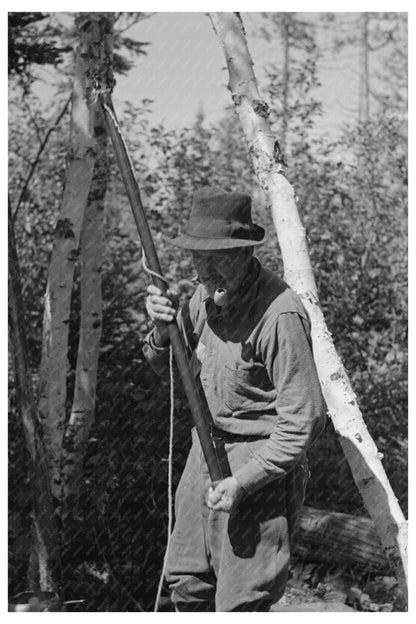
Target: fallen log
320 606
339 538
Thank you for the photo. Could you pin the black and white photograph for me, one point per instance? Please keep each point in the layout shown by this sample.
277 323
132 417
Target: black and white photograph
208 310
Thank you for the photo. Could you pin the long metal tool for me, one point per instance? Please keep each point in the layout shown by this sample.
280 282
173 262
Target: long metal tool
199 412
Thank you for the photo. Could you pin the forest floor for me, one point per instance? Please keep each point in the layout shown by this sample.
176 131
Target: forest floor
311 587
322 587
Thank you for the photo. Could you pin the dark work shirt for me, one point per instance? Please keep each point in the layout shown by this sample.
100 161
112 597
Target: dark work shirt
255 364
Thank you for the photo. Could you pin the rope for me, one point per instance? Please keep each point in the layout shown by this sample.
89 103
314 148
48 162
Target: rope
170 497
148 270
170 458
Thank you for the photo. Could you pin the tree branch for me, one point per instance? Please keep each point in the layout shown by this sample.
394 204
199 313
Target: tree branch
38 157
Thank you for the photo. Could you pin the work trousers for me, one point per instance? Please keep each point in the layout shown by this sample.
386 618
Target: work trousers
237 562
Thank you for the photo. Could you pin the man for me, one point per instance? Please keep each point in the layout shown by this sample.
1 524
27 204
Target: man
249 340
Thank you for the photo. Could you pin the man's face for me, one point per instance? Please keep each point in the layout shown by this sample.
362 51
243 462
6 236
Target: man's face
225 268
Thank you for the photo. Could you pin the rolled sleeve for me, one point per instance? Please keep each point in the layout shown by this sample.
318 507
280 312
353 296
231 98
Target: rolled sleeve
157 357
300 406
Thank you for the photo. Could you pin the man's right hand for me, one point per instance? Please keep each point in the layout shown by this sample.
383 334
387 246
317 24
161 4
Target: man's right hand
161 310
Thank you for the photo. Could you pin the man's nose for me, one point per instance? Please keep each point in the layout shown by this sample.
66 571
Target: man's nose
204 263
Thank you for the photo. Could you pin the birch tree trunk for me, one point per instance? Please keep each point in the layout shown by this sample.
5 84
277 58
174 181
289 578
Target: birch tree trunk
91 27
359 448
45 528
82 413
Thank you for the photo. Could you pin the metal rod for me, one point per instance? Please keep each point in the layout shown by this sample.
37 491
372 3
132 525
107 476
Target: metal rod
200 414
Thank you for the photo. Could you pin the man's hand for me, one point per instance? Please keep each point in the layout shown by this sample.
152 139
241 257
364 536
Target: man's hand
225 495
161 311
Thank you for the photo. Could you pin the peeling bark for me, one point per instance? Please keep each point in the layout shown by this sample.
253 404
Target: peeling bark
359 448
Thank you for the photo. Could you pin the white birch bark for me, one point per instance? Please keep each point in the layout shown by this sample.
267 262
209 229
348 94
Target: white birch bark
54 363
82 412
359 448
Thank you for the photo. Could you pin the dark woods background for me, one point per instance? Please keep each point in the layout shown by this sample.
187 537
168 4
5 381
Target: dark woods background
352 192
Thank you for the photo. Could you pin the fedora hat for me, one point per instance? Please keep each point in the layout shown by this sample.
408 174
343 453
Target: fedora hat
220 220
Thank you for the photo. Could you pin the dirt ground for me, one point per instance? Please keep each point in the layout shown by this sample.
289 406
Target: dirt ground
319 587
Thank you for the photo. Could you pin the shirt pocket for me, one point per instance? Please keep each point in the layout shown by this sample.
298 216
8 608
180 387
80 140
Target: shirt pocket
242 387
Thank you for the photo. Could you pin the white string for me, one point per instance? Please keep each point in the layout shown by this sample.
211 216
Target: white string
170 458
148 270
170 497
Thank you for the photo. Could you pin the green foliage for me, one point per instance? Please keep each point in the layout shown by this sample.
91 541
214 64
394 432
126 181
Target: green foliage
36 40
33 40
355 216
123 44
39 205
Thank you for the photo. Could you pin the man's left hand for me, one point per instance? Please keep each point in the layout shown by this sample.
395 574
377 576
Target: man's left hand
225 495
